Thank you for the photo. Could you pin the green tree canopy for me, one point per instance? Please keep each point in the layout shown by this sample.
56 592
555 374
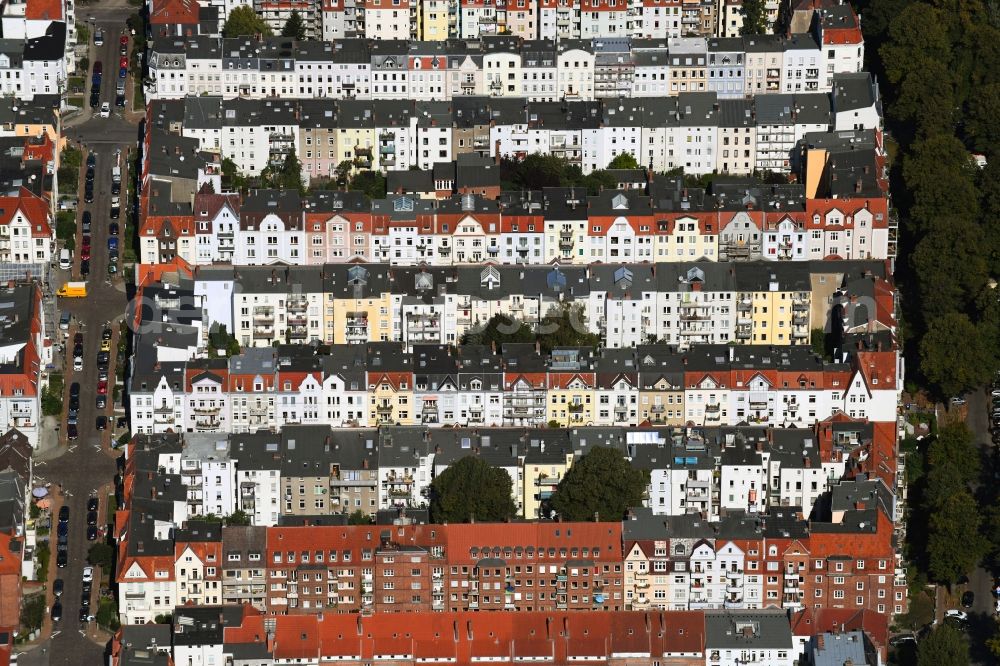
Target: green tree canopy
472 488
566 326
600 483
238 518
953 462
498 330
294 27
944 646
372 183
359 517
754 17
954 545
243 21
623 161
100 555
956 355
942 179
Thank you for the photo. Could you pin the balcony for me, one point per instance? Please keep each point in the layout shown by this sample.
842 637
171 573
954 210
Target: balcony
297 320
298 332
575 408
356 328
566 241
263 332
207 409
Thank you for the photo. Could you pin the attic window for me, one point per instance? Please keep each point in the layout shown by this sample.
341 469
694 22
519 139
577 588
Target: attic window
619 202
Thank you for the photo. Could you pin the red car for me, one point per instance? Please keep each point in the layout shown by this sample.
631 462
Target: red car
85 241
123 62
85 252
102 387
123 40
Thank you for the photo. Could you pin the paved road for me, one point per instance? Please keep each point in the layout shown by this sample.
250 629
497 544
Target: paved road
981 581
86 466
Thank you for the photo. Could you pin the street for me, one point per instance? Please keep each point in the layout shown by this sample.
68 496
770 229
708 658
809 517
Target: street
981 581
86 467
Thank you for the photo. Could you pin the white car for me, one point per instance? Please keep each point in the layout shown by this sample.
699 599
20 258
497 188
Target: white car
998 606
962 616
106 110
78 364
88 574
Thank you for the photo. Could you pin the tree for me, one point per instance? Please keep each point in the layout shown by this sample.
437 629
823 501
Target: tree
942 179
231 177
956 355
343 172
498 330
953 463
472 489
107 614
33 612
295 27
291 173
944 646
566 326
244 22
372 183
238 518
601 483
954 545
623 161
754 17
100 555
359 517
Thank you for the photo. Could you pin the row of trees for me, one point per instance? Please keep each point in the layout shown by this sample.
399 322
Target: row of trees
600 485
942 64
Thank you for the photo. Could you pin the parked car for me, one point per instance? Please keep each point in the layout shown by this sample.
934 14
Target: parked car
113 228
112 243
102 401
102 388
967 599
88 574
120 101
106 110
116 212
93 503
61 557
56 611
57 587
64 514
91 159
101 422
71 431
98 67
85 268
91 517
91 532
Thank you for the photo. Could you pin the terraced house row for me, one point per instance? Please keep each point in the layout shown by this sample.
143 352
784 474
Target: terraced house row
682 304
243 636
379 384
654 219
697 132
706 471
839 556
395 65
